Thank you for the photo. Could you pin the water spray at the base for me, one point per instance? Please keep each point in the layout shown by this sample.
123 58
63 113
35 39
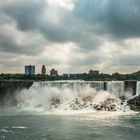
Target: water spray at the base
72 96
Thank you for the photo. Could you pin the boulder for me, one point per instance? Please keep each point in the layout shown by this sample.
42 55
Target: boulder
134 103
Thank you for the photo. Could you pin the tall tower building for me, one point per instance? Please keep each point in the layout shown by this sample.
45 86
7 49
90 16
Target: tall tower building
43 70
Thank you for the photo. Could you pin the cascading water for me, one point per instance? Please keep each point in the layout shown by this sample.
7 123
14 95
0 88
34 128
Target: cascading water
72 96
116 87
138 88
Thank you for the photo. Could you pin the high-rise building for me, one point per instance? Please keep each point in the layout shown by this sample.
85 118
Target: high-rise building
30 70
43 70
53 72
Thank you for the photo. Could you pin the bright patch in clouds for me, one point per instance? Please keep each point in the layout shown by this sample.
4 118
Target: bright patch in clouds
67 4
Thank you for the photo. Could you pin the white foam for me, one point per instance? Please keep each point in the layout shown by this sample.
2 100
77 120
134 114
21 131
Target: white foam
100 116
6 131
19 127
67 97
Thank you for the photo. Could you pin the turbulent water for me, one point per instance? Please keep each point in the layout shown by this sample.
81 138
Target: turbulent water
70 111
72 96
18 125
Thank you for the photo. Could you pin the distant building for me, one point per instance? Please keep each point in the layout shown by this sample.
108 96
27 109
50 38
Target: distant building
43 70
93 72
53 72
30 70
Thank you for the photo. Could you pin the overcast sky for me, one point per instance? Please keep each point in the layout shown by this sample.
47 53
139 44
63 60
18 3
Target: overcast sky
70 35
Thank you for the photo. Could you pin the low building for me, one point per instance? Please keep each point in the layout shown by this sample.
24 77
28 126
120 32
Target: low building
30 70
53 72
43 70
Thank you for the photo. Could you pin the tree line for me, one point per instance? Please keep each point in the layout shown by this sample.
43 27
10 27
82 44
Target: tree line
78 76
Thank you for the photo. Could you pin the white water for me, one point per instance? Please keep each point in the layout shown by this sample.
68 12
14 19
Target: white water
116 87
72 96
138 88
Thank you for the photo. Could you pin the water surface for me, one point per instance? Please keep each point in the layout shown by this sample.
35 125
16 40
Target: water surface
15 125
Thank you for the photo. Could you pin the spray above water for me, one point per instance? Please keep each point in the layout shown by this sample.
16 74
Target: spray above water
70 96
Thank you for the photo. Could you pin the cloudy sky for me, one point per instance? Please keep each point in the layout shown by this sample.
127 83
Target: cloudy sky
70 35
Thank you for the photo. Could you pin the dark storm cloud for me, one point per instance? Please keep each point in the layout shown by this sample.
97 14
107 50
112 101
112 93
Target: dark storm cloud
111 17
9 43
12 39
31 16
26 13
114 17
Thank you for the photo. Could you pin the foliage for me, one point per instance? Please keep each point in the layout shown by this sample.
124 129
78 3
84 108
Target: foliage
79 76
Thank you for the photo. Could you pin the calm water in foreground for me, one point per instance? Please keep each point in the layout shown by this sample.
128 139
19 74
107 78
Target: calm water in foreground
86 126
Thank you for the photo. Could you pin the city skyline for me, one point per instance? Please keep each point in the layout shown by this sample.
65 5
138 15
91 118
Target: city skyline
70 35
38 70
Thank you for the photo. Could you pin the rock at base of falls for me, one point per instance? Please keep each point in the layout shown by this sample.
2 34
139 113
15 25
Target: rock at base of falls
134 103
78 104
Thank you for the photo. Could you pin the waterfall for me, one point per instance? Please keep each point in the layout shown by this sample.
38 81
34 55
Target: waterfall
138 88
116 88
98 85
72 95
